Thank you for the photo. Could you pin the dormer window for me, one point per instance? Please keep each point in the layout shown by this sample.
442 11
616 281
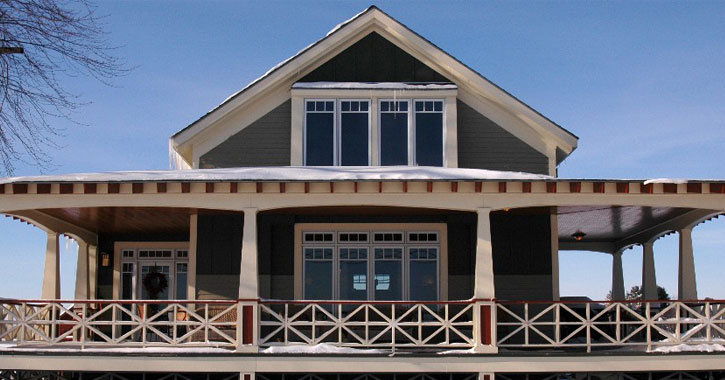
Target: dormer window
378 124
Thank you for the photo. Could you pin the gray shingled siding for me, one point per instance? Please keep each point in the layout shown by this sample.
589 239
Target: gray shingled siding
482 144
266 142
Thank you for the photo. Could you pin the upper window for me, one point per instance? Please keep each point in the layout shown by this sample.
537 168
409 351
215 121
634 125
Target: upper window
338 132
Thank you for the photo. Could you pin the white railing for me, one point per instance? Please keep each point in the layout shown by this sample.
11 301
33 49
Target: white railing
127 323
385 325
593 325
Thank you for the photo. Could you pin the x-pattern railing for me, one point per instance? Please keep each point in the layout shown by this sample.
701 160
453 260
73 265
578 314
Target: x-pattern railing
609 324
124 323
389 325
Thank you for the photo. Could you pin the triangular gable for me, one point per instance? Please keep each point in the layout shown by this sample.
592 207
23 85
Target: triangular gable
483 95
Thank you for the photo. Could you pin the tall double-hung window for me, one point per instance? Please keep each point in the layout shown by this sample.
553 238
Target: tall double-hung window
411 136
337 133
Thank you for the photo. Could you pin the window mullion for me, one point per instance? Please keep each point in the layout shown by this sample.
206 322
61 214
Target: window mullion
411 133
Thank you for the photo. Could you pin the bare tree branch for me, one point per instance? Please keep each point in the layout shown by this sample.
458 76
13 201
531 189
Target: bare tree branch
40 42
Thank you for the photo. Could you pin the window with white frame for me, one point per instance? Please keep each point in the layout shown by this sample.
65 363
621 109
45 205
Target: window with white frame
337 132
371 265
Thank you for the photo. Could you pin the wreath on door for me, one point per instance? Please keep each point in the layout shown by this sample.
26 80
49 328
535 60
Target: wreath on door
155 282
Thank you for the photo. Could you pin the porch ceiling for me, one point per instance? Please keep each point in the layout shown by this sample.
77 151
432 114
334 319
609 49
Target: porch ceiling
614 223
126 220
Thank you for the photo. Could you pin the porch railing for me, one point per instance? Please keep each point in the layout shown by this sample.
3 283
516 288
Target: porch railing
127 323
593 325
477 326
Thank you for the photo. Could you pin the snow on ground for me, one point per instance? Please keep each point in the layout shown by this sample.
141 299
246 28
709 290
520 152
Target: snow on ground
290 173
321 348
705 347
115 350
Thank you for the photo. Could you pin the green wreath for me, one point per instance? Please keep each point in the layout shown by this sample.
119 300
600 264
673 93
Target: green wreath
155 282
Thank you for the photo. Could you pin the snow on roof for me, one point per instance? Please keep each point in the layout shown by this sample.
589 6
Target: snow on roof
375 86
289 173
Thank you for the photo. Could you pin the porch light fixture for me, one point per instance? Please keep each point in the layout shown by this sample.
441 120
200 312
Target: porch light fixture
578 235
105 259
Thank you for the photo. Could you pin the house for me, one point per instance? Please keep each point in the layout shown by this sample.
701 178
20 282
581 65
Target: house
369 208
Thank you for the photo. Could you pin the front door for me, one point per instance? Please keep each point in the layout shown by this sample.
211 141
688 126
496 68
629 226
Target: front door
156 280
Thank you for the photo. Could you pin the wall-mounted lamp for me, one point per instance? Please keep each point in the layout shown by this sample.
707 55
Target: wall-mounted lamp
105 259
578 235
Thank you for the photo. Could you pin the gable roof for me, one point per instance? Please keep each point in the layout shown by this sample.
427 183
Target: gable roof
565 141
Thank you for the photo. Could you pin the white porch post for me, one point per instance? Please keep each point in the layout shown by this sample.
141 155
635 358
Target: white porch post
687 282
649 278
191 271
617 276
248 273
82 286
92 271
51 271
483 283
555 285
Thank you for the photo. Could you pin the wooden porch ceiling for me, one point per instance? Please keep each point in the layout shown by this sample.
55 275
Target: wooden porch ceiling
613 223
126 220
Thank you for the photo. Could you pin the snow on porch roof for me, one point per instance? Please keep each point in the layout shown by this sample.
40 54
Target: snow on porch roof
290 174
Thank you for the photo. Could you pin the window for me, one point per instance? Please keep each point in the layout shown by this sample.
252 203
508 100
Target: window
428 133
337 132
393 265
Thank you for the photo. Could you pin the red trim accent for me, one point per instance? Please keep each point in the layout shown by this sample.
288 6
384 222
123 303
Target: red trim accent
380 187
282 187
694 188
551 187
114 188
89 188
405 187
332 187
65 188
260 187
326 302
233 187
646 189
669 188
526 187
210 187
307 187
247 324
502 187
454 187
137 188
185 187
355 186
622 187
20 188
430 187
247 376
478 186
161 187
717 188
486 324
599 187
2 189
575 187
42 188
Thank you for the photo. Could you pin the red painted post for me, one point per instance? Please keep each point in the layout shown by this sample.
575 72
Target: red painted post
486 325
248 325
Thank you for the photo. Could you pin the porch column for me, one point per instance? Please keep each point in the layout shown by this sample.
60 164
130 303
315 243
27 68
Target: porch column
82 285
191 271
649 279
617 276
248 273
483 282
92 271
687 282
51 271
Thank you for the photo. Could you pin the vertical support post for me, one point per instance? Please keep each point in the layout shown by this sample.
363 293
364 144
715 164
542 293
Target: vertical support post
82 285
687 282
649 278
51 271
249 279
92 271
554 222
617 276
484 289
191 271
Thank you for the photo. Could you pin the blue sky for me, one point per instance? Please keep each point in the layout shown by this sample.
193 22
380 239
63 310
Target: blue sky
642 84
